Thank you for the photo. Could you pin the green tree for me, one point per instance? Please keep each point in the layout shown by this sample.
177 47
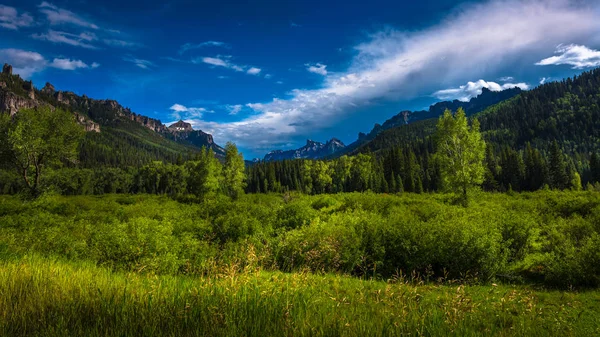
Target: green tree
234 174
36 139
204 174
460 151
595 167
559 177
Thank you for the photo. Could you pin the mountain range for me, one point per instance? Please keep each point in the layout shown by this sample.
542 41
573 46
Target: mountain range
312 150
116 136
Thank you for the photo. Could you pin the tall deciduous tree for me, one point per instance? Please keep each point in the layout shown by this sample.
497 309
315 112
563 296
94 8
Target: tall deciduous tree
37 138
460 151
234 174
204 174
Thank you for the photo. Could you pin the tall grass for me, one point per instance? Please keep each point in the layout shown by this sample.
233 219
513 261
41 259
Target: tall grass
48 297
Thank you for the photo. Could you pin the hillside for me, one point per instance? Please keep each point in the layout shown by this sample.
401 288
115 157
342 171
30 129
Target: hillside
477 104
115 136
567 111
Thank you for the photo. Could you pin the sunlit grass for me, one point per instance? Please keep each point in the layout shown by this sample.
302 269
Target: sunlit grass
46 297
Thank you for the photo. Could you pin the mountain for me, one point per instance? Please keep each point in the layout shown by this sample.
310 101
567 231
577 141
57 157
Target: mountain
476 104
183 133
116 136
566 111
312 150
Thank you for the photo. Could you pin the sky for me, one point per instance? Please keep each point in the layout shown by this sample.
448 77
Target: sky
268 75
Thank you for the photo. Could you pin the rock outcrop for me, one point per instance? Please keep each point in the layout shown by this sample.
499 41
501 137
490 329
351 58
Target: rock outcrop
88 125
11 103
7 69
181 126
48 89
312 150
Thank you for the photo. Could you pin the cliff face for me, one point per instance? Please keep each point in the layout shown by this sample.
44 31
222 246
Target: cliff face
11 103
16 94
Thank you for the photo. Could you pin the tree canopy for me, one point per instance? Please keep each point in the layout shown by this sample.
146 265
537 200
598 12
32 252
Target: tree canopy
37 138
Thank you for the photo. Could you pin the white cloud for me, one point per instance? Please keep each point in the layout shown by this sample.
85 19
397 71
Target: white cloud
58 16
254 71
224 61
121 43
182 112
190 46
543 80
78 40
26 63
10 18
68 64
574 55
317 68
140 63
474 42
234 109
506 79
472 89
178 108
215 61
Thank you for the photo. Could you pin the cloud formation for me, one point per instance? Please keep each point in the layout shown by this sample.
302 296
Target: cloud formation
140 63
234 109
58 16
68 64
10 18
473 89
182 112
190 46
224 61
78 40
392 65
253 71
27 63
578 56
317 68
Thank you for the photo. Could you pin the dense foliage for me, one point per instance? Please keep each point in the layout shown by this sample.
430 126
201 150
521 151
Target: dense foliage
35 139
551 238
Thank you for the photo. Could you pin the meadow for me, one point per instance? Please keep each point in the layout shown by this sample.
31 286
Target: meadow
349 264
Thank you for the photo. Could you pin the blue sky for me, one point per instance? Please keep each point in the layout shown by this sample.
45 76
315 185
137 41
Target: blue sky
268 75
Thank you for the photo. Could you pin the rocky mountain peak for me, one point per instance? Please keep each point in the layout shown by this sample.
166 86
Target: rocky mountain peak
181 126
7 69
48 89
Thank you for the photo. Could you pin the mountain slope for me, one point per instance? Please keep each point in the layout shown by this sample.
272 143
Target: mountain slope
476 104
312 150
116 136
567 111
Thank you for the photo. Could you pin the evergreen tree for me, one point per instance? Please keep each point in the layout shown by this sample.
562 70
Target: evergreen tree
595 168
557 168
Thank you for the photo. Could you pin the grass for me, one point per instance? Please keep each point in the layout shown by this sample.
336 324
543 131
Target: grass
118 265
50 297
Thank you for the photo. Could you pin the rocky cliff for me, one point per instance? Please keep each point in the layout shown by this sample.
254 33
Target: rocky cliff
312 150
